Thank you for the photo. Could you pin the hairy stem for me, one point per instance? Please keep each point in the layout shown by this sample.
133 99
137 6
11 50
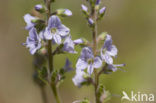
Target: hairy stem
50 57
54 89
94 34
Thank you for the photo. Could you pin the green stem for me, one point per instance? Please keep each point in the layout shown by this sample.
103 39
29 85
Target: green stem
94 34
54 89
50 57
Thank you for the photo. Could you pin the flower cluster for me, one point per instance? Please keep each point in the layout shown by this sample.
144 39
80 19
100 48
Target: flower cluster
49 37
94 60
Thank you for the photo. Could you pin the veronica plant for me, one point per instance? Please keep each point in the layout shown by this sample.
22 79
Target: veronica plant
95 60
48 37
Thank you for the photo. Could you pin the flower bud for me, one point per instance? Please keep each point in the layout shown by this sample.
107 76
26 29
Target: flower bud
98 2
40 8
84 8
102 10
64 12
90 21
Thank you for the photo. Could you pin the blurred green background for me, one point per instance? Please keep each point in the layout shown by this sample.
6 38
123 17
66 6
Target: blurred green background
132 24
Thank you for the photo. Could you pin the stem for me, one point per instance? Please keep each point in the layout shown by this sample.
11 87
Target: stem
54 89
94 34
44 96
50 57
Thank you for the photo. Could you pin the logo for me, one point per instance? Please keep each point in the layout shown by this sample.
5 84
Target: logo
140 97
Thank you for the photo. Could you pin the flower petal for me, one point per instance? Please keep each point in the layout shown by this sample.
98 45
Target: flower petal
54 22
106 57
86 53
90 69
57 38
78 78
63 30
81 64
28 18
69 45
113 51
78 41
47 34
97 62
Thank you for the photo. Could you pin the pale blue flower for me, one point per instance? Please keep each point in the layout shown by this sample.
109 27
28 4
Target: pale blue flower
55 30
79 78
38 7
102 10
108 50
67 12
84 8
69 45
114 67
33 41
87 60
28 19
78 41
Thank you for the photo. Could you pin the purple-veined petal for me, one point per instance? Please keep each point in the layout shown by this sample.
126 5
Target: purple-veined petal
33 41
90 69
57 38
63 30
81 64
78 78
47 34
113 51
69 45
28 18
54 22
97 62
86 53
108 42
106 57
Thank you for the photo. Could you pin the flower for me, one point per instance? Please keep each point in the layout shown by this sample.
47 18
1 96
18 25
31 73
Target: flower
78 41
67 12
87 60
84 8
33 41
28 19
64 12
90 21
55 30
69 45
108 50
102 10
114 67
67 67
38 7
78 78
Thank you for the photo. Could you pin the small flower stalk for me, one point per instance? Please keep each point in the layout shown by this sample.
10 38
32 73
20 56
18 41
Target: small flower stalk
94 61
